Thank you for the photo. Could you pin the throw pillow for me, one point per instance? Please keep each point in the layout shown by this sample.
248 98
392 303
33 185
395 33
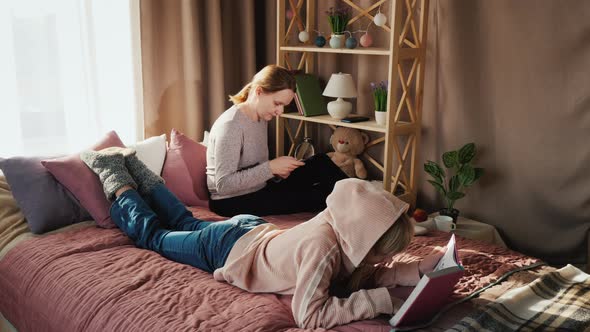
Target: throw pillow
12 220
46 204
152 152
205 141
184 170
178 179
73 174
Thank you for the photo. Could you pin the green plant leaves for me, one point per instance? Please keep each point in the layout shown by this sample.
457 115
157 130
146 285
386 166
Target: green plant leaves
454 183
455 195
434 170
450 159
462 174
466 153
478 173
438 187
466 175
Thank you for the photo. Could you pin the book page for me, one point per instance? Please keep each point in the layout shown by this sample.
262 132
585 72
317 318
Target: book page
432 290
449 258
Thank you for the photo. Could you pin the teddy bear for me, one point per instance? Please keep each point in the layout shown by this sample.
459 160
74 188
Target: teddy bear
348 143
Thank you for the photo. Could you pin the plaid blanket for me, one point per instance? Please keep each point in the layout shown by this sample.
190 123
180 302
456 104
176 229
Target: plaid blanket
557 301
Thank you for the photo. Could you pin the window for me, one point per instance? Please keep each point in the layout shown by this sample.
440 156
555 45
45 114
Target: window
69 74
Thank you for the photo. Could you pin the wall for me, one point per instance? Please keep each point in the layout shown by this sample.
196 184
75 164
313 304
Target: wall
513 76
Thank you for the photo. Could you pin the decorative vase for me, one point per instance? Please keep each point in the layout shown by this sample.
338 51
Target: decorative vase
336 40
453 213
381 118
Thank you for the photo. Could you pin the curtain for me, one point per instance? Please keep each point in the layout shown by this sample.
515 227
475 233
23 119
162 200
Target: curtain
196 53
68 75
514 77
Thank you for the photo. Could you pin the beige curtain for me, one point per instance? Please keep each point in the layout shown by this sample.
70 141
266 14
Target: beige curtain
514 77
194 54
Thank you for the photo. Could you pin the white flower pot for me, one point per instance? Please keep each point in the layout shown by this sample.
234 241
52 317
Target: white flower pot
336 41
381 118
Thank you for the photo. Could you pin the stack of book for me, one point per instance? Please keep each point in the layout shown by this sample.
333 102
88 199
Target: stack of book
308 97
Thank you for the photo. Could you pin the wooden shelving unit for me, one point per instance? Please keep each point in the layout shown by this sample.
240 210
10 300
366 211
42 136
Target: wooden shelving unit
406 53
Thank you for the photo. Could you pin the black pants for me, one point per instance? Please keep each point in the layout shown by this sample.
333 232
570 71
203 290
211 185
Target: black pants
304 190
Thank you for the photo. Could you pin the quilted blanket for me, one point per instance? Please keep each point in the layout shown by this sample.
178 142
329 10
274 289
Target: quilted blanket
95 279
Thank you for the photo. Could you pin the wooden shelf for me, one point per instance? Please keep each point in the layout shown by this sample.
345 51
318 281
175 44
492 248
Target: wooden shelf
328 49
404 53
401 127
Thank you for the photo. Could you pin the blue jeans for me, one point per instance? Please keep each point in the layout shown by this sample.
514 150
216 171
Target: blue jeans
160 222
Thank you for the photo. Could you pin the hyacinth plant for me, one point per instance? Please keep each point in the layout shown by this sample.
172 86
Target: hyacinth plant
338 19
380 96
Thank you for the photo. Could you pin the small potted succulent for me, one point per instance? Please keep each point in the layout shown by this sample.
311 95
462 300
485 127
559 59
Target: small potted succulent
338 19
380 99
460 174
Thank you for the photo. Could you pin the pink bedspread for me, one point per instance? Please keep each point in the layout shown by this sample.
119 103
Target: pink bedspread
96 280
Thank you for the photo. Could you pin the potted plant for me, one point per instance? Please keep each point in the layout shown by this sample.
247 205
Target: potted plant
380 99
338 19
460 174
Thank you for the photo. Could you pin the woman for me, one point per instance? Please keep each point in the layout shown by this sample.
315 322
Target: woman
361 227
238 169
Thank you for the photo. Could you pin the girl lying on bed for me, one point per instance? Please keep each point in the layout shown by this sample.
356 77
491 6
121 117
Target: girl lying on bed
361 226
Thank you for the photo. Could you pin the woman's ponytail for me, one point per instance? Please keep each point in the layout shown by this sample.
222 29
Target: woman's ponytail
241 96
271 78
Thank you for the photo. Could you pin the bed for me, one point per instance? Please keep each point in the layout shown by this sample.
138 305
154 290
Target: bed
85 278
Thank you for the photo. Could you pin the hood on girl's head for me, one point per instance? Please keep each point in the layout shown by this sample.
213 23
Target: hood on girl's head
360 213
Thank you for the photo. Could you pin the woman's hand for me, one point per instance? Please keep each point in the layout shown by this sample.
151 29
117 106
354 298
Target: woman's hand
429 262
283 166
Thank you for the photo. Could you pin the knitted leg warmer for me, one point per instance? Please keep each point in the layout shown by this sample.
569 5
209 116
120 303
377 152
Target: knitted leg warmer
109 165
145 178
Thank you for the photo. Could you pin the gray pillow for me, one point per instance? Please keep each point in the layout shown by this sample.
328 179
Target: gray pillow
46 204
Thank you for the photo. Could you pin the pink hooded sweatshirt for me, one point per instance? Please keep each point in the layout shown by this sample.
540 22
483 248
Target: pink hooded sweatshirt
305 259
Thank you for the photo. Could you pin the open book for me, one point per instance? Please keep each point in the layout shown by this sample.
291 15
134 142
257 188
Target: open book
432 291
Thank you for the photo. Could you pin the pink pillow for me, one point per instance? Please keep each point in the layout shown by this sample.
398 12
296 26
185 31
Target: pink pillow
184 170
73 174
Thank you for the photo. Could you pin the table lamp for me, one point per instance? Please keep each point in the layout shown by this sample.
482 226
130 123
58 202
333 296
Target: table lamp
340 86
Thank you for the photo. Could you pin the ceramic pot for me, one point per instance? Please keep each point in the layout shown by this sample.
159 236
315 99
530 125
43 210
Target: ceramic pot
453 213
381 118
336 41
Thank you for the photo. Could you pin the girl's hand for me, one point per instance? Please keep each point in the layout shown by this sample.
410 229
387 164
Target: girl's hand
283 166
429 262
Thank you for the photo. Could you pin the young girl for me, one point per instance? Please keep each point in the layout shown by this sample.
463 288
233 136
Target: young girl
238 168
361 227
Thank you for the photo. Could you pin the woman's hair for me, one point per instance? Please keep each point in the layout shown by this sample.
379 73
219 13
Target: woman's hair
271 78
396 239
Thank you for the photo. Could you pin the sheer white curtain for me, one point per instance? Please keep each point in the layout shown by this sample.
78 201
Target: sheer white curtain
68 74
